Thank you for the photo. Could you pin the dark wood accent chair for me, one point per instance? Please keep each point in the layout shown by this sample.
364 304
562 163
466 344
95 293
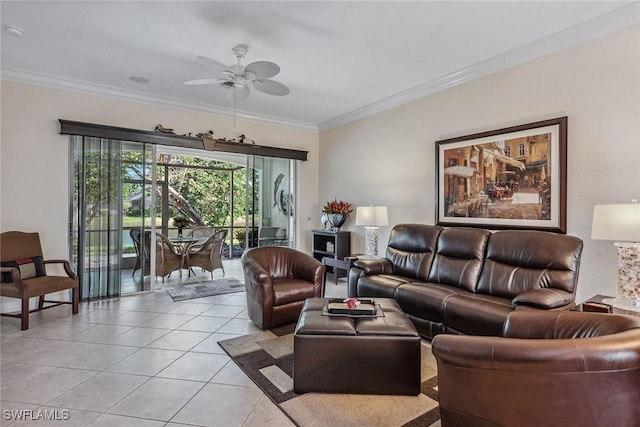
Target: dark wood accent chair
24 274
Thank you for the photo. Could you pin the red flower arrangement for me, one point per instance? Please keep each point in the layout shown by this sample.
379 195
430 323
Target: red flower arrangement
337 207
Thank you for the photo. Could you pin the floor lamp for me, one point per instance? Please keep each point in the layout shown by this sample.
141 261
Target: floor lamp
372 218
621 223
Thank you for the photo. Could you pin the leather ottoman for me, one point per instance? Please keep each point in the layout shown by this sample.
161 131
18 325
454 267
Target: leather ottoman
368 355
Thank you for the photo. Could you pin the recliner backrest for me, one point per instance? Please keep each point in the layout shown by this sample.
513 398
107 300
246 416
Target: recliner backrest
459 257
411 249
519 260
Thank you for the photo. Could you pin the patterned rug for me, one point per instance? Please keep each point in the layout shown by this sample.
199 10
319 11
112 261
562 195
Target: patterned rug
267 358
204 289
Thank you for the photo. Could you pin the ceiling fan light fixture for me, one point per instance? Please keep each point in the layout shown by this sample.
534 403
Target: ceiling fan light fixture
240 78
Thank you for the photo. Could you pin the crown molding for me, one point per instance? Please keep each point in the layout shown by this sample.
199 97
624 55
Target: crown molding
62 83
616 20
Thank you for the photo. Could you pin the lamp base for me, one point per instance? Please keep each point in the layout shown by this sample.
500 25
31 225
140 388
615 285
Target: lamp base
371 242
628 296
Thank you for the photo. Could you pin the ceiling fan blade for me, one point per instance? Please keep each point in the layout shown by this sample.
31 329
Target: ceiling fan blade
202 82
240 93
271 87
216 65
263 69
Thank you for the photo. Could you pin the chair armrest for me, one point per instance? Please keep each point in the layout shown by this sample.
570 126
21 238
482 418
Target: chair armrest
493 354
374 266
548 298
66 265
15 276
258 283
310 269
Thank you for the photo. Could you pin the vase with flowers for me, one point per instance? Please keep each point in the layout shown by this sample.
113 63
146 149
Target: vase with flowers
337 213
181 222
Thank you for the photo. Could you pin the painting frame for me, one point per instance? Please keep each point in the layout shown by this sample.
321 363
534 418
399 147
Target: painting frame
509 178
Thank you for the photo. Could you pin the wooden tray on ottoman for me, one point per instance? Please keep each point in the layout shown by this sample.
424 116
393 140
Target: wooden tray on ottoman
367 307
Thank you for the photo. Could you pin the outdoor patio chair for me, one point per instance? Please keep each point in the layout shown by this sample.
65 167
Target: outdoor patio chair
24 274
168 259
200 231
135 237
208 254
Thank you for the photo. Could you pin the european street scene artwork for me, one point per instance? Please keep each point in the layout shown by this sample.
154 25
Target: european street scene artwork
508 179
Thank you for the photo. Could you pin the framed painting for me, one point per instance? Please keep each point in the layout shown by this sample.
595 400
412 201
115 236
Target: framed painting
511 178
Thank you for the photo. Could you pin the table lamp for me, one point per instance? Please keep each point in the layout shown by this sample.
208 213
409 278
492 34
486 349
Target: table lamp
372 218
621 223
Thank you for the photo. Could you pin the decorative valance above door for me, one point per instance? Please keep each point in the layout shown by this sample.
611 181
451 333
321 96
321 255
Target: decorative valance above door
68 127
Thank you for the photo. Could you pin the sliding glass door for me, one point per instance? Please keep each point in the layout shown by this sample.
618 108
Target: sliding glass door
109 200
273 202
121 190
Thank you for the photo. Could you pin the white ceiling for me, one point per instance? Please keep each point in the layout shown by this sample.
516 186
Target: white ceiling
342 60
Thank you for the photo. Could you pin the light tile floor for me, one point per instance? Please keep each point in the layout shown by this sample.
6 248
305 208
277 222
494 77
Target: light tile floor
139 360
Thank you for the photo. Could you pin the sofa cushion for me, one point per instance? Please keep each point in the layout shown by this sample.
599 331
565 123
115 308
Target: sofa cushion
411 248
518 260
459 256
425 300
380 285
474 314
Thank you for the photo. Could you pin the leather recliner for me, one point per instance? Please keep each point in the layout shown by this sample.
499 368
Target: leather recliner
278 280
549 369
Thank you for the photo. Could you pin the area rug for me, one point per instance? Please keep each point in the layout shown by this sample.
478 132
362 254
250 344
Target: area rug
267 358
204 289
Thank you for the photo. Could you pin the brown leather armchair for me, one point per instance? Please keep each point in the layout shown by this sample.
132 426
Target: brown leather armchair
24 274
550 369
278 280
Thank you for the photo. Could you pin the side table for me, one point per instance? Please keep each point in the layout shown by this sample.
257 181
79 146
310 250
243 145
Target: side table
339 264
598 299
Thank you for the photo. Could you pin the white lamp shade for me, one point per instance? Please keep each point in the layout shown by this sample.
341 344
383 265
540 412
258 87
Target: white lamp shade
372 216
616 222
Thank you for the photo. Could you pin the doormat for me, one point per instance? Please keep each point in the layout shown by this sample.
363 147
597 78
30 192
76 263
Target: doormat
205 289
267 358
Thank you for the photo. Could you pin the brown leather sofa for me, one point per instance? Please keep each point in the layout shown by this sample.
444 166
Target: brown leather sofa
278 280
551 369
468 280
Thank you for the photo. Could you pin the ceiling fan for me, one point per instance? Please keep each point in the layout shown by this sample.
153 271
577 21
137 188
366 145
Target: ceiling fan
240 78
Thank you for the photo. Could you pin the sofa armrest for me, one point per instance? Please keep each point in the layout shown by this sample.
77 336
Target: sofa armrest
374 266
546 298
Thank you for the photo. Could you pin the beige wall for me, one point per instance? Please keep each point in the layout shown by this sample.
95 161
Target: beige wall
384 159
34 157
388 159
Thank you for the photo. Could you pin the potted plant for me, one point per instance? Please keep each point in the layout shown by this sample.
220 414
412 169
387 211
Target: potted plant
181 222
337 212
